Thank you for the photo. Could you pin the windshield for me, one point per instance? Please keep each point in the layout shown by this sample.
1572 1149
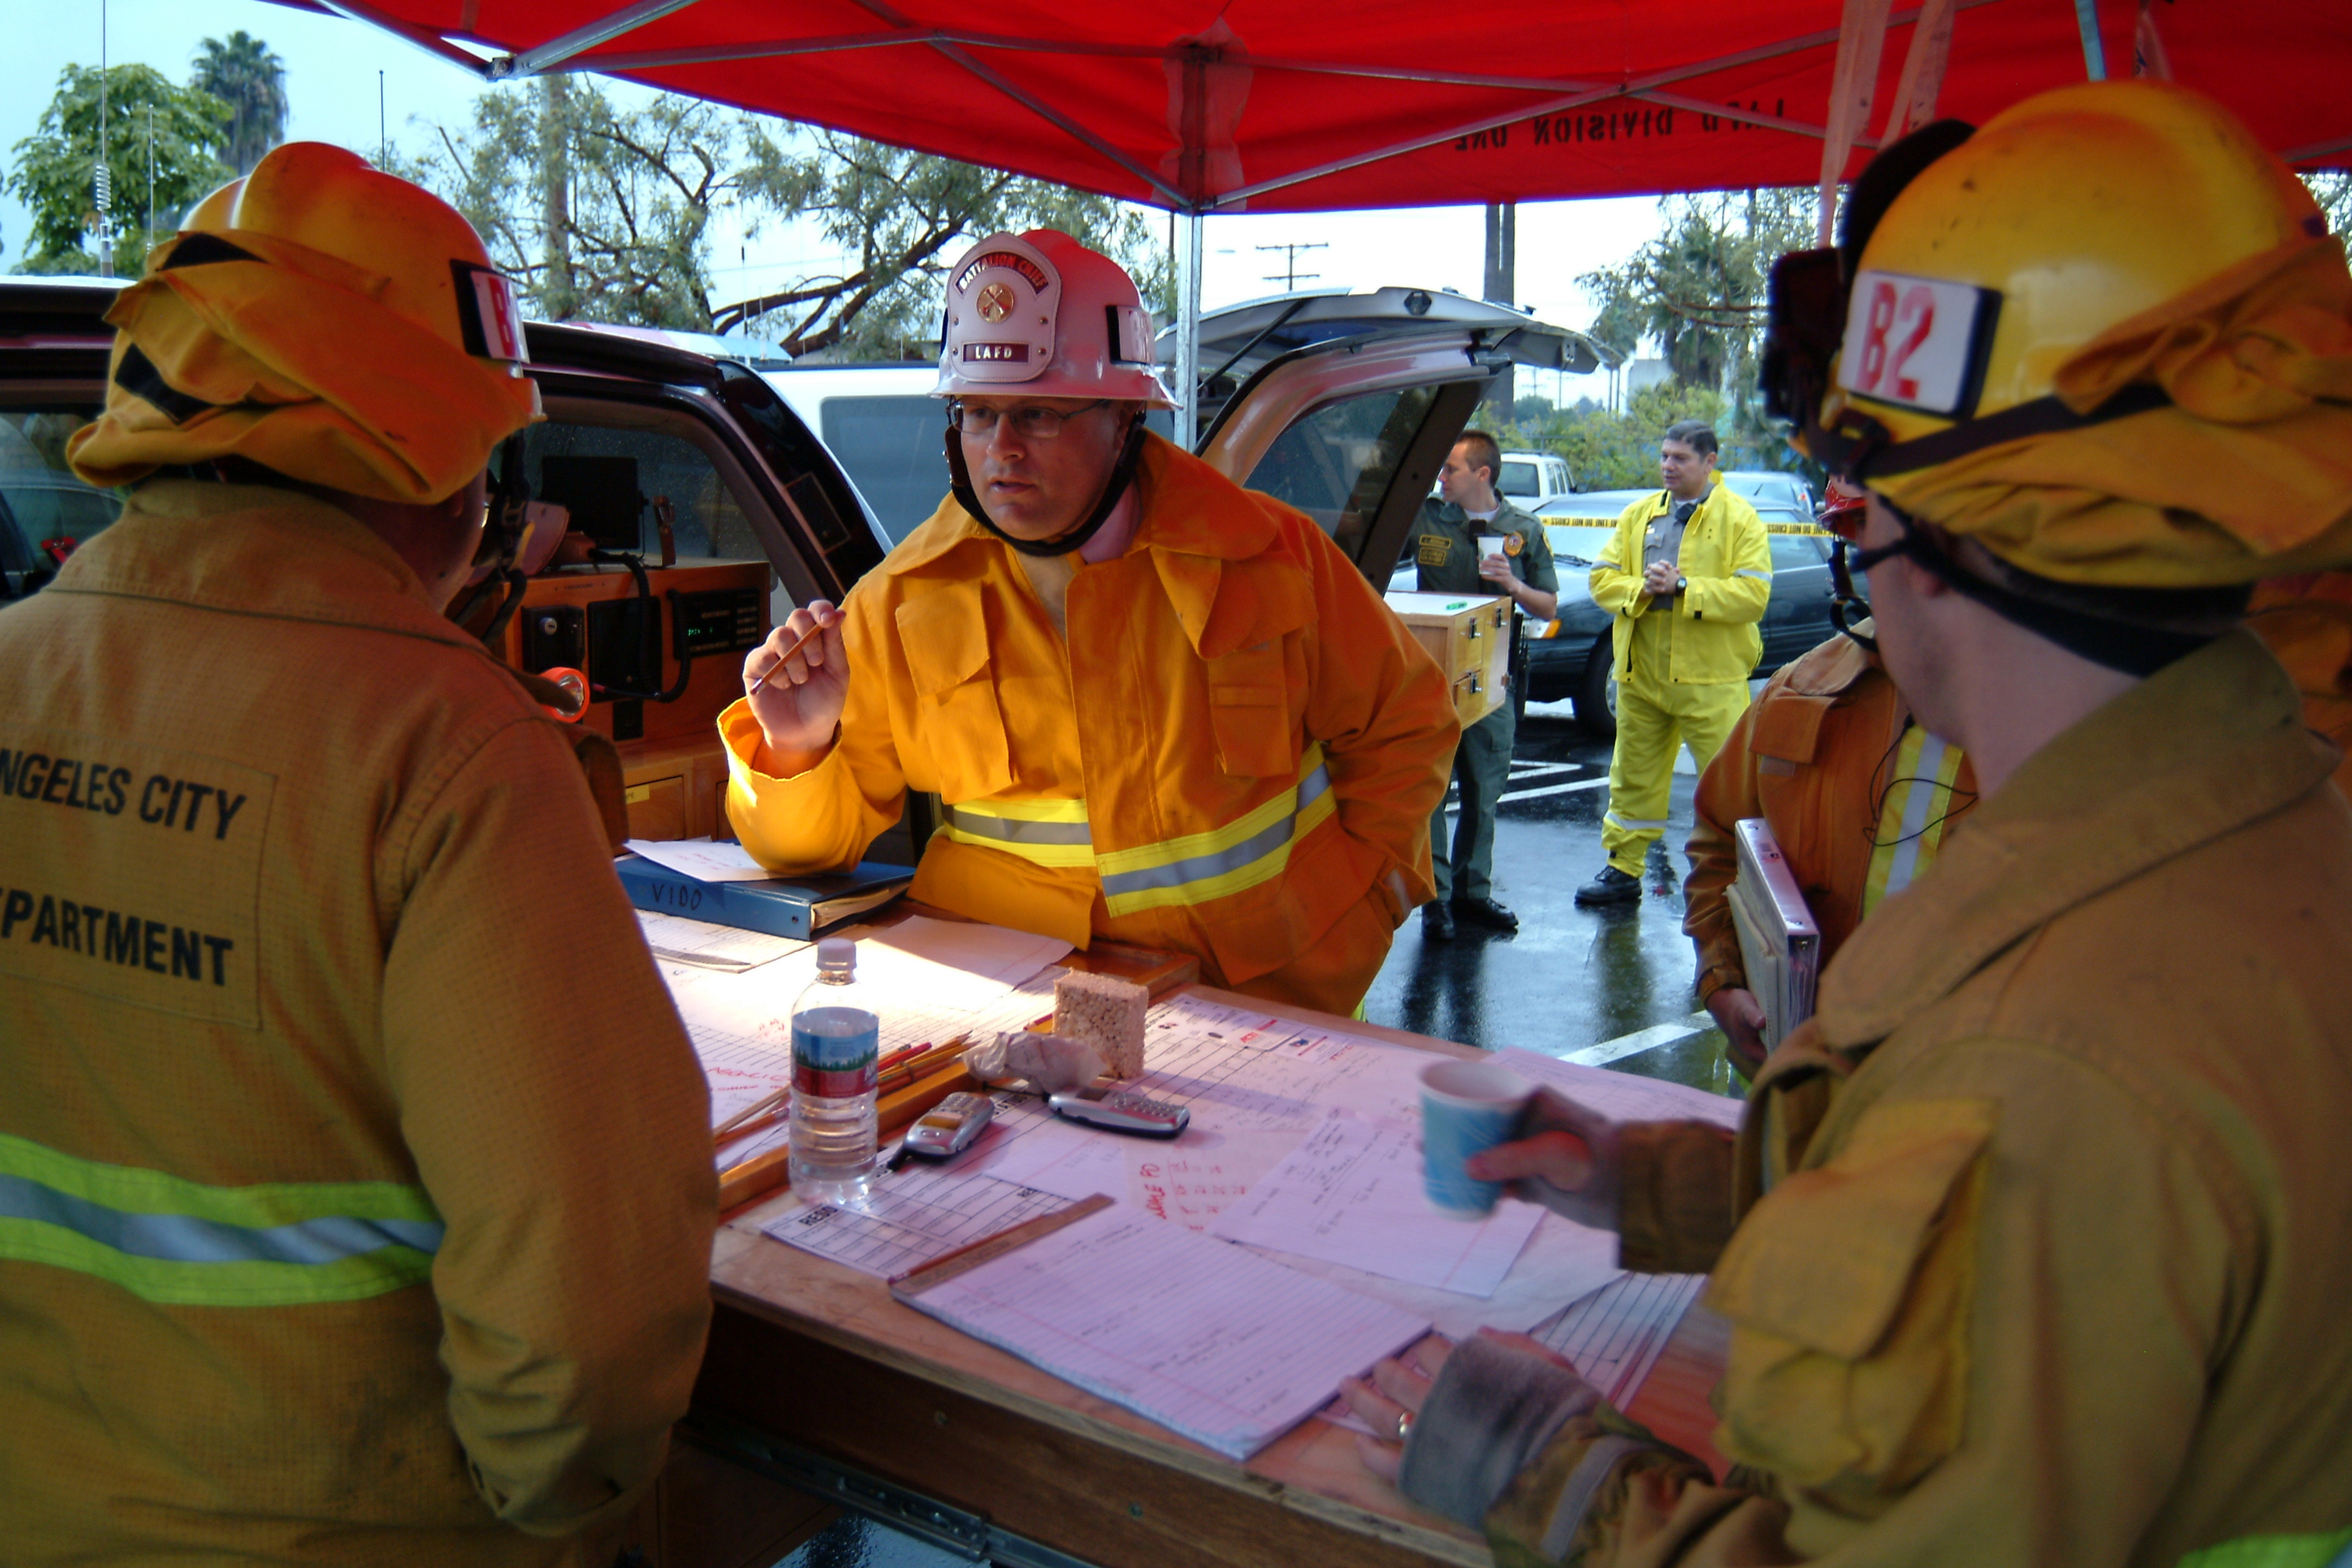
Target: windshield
45 512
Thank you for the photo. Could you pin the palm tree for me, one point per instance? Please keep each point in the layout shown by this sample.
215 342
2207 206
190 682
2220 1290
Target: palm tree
245 74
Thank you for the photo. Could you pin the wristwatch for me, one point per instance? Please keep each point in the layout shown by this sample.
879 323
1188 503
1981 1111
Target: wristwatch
1681 583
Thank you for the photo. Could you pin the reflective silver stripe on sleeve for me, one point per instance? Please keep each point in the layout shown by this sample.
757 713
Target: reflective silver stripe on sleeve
1751 572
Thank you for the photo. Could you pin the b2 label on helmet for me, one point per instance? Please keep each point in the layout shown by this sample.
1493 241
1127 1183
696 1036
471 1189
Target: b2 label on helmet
1916 341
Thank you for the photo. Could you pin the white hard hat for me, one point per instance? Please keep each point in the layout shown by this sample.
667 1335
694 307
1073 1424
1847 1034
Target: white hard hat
1040 313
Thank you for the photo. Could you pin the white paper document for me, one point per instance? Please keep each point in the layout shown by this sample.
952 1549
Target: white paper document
1623 1096
702 859
729 948
1351 1192
1614 1335
991 952
1211 1341
916 1215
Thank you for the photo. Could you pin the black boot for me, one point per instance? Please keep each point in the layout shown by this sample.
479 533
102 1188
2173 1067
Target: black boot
1436 923
1485 914
1611 887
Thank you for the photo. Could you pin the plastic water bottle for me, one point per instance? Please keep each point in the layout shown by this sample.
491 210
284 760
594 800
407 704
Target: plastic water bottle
836 1047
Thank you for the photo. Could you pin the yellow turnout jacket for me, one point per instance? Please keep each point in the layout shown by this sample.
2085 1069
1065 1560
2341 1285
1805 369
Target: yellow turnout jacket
1234 746
355 1181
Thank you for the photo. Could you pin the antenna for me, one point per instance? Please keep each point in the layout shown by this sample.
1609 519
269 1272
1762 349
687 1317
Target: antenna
383 141
102 179
1290 275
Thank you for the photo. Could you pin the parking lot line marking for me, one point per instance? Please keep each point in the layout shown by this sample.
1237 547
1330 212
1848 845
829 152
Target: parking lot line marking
1641 1040
1511 795
1538 770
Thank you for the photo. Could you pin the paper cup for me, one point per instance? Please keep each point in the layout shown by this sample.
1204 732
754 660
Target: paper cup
1490 544
1466 1107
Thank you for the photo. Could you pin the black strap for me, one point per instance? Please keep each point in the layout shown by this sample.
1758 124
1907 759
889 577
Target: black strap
2042 416
2132 647
137 376
1122 474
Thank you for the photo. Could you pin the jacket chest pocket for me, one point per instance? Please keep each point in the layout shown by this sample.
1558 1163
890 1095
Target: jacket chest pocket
1249 712
957 727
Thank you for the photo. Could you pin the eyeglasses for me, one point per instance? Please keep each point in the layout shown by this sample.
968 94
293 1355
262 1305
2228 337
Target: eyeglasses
1030 422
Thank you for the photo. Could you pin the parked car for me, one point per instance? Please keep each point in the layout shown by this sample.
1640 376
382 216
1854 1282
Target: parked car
1774 488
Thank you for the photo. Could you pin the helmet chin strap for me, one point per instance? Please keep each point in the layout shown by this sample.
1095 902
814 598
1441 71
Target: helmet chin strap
1122 474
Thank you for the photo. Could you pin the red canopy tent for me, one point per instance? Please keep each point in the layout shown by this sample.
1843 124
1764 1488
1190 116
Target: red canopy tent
1273 105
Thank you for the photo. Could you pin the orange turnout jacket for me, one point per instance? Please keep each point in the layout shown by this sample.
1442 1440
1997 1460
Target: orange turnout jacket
1233 749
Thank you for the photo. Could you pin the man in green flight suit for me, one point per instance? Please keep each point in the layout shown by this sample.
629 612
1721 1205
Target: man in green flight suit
1445 548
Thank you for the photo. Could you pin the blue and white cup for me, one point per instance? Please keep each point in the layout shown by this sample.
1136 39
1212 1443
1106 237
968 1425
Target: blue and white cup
1465 1108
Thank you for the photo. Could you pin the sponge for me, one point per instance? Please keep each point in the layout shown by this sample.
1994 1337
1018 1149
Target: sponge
1106 1013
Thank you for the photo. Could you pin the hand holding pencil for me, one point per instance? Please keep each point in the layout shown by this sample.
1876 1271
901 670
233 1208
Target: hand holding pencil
798 683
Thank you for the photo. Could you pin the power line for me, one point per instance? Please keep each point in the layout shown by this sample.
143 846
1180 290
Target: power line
1290 275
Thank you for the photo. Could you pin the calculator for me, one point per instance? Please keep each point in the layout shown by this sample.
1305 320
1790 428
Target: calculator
1121 1110
948 1128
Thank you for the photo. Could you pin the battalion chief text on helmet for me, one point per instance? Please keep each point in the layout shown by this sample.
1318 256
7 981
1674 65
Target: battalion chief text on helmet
1155 706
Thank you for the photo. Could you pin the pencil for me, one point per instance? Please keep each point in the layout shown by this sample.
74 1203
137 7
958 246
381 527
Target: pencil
806 637
760 1106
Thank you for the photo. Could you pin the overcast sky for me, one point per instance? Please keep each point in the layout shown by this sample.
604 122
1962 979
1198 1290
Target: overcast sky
332 70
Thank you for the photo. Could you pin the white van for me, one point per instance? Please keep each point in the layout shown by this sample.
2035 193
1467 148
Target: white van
1531 478
882 424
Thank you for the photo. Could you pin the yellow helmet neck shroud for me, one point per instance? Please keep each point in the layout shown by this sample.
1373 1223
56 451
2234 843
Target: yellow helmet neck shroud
336 325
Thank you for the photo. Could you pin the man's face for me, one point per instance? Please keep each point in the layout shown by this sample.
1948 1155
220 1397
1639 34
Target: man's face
1466 486
1042 486
1686 472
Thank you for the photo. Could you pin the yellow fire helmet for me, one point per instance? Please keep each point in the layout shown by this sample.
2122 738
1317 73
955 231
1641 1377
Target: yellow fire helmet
2107 335
337 324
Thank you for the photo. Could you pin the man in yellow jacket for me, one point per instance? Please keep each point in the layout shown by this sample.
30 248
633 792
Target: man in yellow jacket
1687 575
355 1182
2033 1239
1156 706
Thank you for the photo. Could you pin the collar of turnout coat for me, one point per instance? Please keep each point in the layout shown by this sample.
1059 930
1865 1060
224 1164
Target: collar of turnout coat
2201 748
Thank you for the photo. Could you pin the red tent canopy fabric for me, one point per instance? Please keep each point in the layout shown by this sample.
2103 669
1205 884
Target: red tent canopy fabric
1273 105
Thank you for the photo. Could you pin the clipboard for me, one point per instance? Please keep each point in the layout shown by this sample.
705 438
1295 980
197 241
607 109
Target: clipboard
1779 943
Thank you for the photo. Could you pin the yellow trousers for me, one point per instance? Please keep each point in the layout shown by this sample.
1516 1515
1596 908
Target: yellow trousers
1653 722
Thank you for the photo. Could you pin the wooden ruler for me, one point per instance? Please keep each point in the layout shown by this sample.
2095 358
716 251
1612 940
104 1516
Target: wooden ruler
988 1248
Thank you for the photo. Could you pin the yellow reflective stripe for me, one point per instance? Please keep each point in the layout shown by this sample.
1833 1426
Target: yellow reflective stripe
168 1240
1202 867
1217 840
1044 832
1910 827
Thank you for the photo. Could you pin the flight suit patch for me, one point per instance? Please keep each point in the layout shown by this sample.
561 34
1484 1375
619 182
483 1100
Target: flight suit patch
132 872
1435 548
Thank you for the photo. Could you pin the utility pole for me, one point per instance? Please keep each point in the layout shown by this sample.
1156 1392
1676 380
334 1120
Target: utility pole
151 175
383 137
1502 282
1290 275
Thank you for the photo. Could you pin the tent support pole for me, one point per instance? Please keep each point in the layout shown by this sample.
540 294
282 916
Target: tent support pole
1189 225
2095 53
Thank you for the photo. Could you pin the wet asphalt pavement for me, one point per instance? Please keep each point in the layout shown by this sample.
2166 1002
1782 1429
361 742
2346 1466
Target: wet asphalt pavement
1608 986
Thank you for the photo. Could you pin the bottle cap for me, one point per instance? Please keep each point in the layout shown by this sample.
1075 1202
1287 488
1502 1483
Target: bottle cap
836 952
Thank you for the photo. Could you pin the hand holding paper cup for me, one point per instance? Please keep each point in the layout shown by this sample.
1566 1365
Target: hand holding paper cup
1466 1107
